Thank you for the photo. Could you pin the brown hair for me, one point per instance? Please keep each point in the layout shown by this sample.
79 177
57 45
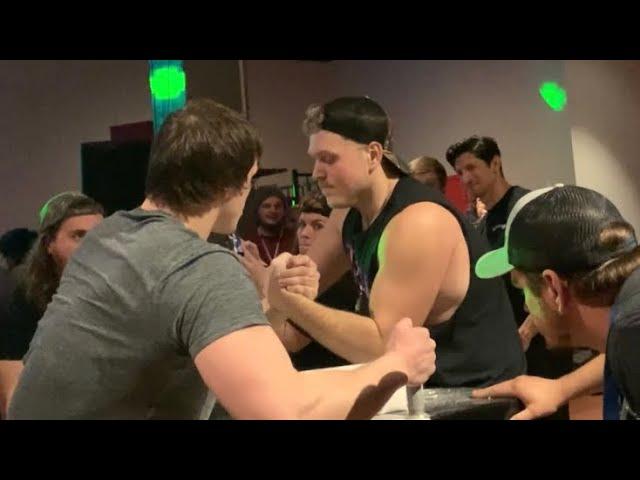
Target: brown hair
315 202
201 152
42 275
429 164
599 287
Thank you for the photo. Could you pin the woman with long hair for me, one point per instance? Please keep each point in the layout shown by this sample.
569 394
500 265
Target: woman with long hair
64 221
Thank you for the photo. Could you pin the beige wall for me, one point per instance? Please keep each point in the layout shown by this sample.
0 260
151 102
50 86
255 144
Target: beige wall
432 104
50 108
604 108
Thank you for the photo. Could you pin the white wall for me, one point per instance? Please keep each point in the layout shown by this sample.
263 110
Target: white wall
432 104
49 109
278 93
435 103
604 108
216 79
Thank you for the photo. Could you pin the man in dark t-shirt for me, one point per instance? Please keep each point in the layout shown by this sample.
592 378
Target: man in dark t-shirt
478 161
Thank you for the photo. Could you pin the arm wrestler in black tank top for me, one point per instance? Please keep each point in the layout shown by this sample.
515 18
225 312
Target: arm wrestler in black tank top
479 344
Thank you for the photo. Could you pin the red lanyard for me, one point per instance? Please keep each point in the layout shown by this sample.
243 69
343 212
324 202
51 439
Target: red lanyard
266 249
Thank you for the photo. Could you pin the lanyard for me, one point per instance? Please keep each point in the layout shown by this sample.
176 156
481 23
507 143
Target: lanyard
266 249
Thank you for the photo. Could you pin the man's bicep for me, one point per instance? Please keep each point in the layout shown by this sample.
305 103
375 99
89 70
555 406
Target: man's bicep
403 291
414 256
250 373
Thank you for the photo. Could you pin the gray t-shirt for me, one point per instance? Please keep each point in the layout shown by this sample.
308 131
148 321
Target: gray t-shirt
139 299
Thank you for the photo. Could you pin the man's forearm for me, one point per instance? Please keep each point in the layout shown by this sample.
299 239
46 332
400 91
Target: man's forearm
353 337
355 394
276 318
292 340
586 379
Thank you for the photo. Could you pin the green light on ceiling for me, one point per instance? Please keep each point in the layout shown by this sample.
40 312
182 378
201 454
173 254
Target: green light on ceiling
167 82
554 95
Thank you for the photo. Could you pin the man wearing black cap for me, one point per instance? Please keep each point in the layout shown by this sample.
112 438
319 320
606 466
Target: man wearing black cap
410 251
578 263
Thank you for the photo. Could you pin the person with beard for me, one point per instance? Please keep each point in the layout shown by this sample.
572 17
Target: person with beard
306 353
271 235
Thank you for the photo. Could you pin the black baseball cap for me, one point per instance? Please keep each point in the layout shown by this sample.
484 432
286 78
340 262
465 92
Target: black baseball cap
555 228
362 120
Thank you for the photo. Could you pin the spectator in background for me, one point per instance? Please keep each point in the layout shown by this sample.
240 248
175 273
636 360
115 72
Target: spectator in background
15 244
271 235
429 171
305 352
478 161
64 221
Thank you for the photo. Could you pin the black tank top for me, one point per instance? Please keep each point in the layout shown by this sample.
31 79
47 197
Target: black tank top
479 345
342 295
